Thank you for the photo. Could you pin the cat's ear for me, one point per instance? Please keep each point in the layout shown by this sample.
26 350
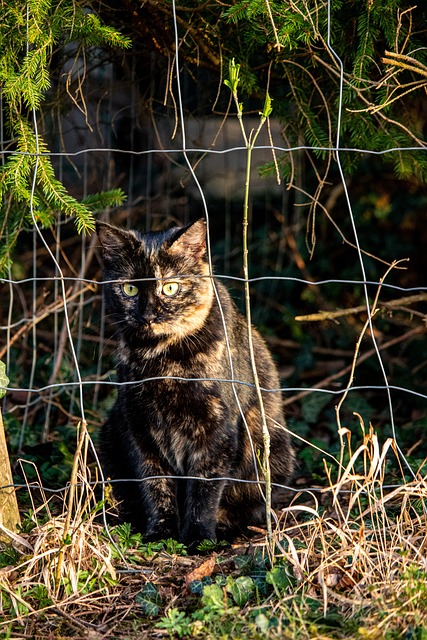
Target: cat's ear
191 241
112 239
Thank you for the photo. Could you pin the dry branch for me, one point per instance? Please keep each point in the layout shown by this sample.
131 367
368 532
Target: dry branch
404 62
418 331
56 305
332 315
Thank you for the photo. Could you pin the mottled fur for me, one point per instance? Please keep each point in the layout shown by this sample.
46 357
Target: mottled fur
172 427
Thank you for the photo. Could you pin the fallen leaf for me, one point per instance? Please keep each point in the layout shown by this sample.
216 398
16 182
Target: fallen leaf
205 569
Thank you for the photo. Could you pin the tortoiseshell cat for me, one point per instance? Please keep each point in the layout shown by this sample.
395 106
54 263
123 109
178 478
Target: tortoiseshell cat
171 328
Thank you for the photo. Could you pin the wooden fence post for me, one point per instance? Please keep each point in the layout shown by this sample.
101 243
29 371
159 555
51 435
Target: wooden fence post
9 513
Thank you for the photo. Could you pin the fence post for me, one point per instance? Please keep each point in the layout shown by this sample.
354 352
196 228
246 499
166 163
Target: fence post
9 514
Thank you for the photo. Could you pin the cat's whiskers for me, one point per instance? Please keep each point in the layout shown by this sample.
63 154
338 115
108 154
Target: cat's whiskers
111 322
198 342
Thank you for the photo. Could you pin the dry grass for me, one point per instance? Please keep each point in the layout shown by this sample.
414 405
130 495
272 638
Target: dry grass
354 546
369 545
65 565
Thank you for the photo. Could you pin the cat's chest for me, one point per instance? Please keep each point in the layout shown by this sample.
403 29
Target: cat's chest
182 419
181 416
182 439
141 364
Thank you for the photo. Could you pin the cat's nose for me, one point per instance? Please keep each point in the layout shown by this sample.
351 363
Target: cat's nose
148 317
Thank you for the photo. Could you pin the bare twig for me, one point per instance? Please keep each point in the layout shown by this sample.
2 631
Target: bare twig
340 313
418 331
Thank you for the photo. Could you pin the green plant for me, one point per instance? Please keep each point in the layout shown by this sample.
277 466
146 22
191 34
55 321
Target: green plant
176 622
207 546
132 546
31 33
4 380
241 589
149 599
124 539
173 547
87 581
8 555
250 140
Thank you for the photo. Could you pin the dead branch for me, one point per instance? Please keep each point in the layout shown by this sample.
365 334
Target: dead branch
404 62
57 305
418 331
332 315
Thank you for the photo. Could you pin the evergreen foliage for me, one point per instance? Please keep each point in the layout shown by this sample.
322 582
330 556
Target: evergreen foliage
30 35
279 47
284 46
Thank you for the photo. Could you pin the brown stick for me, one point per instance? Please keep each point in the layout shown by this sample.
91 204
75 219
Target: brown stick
404 62
324 383
55 306
331 315
9 513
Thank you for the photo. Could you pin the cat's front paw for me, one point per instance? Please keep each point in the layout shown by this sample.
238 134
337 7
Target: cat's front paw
160 530
193 534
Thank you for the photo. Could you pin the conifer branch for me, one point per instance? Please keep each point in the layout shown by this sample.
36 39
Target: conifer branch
29 34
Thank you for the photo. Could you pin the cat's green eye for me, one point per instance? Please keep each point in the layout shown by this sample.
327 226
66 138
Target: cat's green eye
130 290
170 289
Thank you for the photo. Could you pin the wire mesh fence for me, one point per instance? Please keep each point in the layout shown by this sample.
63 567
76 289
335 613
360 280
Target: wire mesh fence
174 167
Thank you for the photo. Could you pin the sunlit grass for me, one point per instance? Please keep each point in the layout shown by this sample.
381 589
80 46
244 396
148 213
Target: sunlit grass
348 560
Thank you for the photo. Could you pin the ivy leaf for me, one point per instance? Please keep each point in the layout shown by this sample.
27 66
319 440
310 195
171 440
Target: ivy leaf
4 380
278 578
265 623
262 622
241 589
149 599
199 573
197 586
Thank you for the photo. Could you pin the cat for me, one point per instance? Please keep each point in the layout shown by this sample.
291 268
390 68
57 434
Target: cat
180 417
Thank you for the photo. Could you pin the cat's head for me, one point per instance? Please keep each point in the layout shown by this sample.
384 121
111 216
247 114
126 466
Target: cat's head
160 284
